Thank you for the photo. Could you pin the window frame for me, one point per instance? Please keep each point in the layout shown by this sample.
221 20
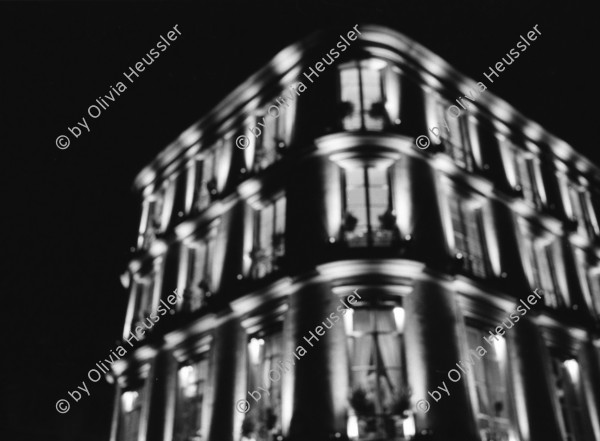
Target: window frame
371 231
281 128
475 328
389 77
201 195
195 360
266 260
475 206
534 243
123 433
198 287
461 147
401 398
564 409
274 332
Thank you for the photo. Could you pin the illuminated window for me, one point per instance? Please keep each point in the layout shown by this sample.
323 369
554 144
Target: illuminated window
380 393
369 217
542 266
588 280
490 379
205 182
276 134
523 170
455 136
369 94
179 189
594 284
265 370
469 244
582 211
131 409
570 397
144 299
197 281
269 238
153 212
191 386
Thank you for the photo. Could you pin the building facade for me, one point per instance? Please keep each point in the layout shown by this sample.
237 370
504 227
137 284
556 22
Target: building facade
304 190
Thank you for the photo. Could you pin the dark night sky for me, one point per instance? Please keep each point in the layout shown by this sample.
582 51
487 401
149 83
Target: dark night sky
69 216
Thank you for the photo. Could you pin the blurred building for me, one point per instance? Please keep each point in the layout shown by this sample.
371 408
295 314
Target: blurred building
262 237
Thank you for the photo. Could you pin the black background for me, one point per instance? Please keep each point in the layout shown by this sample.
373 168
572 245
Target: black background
69 217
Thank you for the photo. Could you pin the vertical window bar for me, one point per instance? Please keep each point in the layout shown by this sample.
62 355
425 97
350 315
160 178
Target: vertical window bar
368 207
362 97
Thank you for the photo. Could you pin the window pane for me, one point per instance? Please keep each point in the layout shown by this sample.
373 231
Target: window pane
460 234
280 215
546 277
265 361
594 282
131 407
456 144
475 242
379 390
356 205
266 227
206 174
190 397
566 376
371 80
490 379
269 238
373 225
527 181
378 194
350 93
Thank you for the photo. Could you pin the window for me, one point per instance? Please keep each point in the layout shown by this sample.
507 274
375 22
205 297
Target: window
594 284
131 409
269 239
542 265
191 385
523 172
197 280
490 379
275 134
152 217
469 244
265 366
380 392
369 218
588 280
370 95
570 396
145 291
205 182
179 190
582 211
454 135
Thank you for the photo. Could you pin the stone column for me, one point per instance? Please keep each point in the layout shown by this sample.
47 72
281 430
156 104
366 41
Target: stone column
321 374
412 109
590 381
433 341
227 377
160 384
424 220
531 374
